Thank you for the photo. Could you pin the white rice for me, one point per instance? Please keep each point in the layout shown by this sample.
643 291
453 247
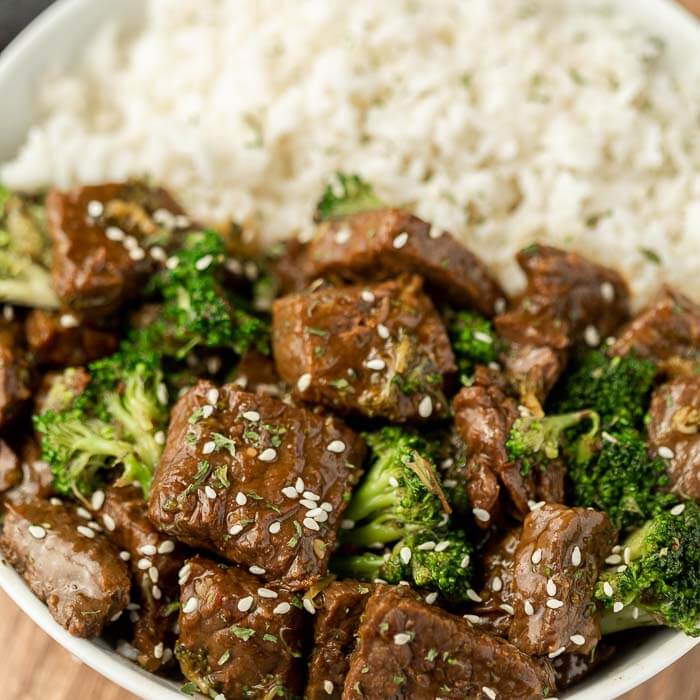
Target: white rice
503 121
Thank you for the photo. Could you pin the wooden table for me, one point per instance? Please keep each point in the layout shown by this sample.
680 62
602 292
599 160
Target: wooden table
34 667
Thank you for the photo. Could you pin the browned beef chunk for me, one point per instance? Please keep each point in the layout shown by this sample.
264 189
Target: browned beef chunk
339 609
262 483
380 350
257 373
238 638
10 469
69 566
57 389
667 331
106 240
291 268
495 611
407 649
16 375
57 339
154 561
385 242
484 415
36 479
556 566
674 432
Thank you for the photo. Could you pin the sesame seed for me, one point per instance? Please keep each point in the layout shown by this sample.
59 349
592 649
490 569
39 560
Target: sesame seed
83 513
299 485
613 559
576 556
465 561
156 592
376 364
268 455
241 498
312 496
336 446
400 240
442 546
309 606
109 523
347 524
367 296
342 235
507 608
618 606
666 452
473 595
114 233
184 574
157 253
37 532
500 305
426 546
496 584
97 500
304 382
68 321
148 550
591 336
489 692
314 512
527 607
252 416
556 652
127 651
551 587
95 208
207 411
328 687
204 262
266 593
235 529
311 524
425 407
290 492
401 638
172 262
635 613
616 549
124 555
622 568
405 555
608 589
431 598
159 437
153 574
55 501
481 514
208 447
536 557
474 619
609 438
95 526
483 337
282 608
256 570
144 564
158 650
190 606
535 505
275 527
393 482
435 233
554 603
627 555
131 242
137 254
383 331
327 507
607 291
307 503
86 532
210 493
162 393
577 639
245 604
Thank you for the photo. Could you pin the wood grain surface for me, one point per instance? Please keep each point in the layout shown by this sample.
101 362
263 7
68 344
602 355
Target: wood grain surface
34 667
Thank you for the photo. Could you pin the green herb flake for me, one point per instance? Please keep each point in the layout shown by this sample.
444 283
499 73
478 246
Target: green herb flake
244 633
651 255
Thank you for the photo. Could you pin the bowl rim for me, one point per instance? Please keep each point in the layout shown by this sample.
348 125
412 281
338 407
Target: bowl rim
25 56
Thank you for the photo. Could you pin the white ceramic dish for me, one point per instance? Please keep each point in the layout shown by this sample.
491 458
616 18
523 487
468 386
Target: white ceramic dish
56 37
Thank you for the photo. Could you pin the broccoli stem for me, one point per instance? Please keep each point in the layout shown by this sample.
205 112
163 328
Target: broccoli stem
375 532
630 617
365 567
374 494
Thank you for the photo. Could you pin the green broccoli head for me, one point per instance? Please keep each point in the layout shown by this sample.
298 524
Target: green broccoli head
401 492
617 388
347 194
25 253
532 440
474 341
621 478
660 580
197 311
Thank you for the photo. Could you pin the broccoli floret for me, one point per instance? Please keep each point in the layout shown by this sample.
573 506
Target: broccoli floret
621 478
474 341
440 561
112 424
532 441
616 388
660 580
401 492
25 253
197 311
347 194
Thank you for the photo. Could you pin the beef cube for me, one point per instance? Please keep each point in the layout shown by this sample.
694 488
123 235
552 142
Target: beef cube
290 268
262 483
378 350
154 561
667 331
16 375
36 478
408 649
237 637
58 340
10 469
339 609
674 432
556 567
257 373
69 566
106 240
386 242
484 415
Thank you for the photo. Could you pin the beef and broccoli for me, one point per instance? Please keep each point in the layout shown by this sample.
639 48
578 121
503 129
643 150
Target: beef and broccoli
349 467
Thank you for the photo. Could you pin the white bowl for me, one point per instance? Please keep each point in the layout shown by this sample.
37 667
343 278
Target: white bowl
56 38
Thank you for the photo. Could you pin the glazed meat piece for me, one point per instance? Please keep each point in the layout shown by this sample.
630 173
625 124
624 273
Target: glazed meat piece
495 612
59 340
106 240
10 469
674 432
290 268
35 478
484 415
556 567
380 350
257 373
16 375
407 649
236 637
262 483
154 561
667 331
386 242
570 669
69 566
339 609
